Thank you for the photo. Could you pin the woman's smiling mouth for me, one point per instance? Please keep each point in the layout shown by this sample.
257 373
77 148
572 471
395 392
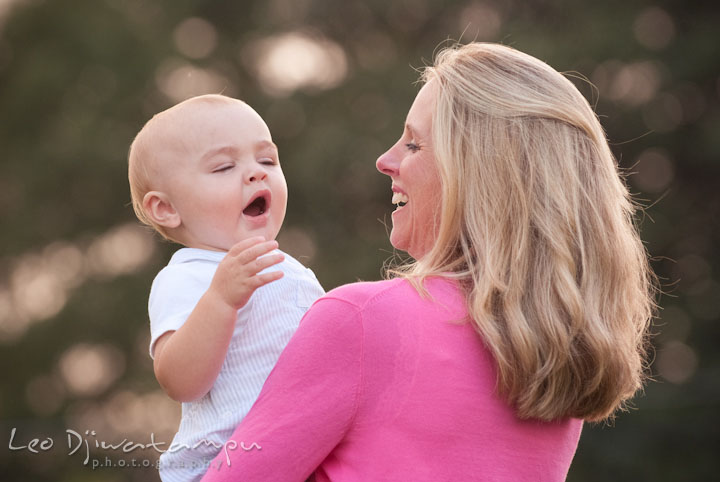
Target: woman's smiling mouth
400 199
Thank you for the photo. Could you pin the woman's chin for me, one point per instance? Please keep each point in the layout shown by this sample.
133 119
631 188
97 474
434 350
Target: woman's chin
397 240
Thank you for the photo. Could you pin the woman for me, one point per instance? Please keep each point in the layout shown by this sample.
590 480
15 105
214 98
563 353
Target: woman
524 313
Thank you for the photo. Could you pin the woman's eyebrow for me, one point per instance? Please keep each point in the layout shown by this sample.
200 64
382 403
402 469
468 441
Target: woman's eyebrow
410 129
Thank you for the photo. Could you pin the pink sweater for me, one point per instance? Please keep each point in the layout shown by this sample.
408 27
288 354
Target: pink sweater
380 384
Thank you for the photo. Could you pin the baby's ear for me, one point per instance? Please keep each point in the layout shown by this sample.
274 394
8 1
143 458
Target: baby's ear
160 209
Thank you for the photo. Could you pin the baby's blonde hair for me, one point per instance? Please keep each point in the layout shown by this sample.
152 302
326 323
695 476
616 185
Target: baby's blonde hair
143 156
538 226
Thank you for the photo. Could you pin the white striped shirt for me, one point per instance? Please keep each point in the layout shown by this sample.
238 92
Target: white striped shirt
263 328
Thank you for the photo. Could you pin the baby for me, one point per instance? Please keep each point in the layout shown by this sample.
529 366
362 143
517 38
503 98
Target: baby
205 173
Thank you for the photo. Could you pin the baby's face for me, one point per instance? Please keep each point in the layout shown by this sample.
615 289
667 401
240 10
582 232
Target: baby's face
223 176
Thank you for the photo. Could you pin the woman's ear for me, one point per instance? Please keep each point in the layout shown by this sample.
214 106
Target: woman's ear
160 210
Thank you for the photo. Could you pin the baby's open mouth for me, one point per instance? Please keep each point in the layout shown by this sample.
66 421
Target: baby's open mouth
256 207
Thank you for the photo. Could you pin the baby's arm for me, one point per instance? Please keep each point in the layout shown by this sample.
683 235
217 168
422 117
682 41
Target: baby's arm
187 361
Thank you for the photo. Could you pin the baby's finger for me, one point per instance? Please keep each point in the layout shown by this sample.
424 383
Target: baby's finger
267 261
265 278
255 251
241 246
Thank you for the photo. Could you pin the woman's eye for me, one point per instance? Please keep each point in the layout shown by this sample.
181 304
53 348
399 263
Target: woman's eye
412 147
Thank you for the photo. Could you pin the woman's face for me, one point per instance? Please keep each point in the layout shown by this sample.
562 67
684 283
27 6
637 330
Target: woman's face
416 187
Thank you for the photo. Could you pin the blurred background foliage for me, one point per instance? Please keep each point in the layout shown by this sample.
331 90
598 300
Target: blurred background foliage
334 81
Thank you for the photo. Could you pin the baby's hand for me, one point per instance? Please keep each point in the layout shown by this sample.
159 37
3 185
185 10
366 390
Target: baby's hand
237 278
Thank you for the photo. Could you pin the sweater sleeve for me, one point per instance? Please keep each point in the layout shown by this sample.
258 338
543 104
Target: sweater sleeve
307 403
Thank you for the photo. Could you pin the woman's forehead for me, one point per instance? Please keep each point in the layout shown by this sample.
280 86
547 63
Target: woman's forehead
419 118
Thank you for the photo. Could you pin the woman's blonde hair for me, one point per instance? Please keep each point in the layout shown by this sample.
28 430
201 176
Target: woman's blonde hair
538 226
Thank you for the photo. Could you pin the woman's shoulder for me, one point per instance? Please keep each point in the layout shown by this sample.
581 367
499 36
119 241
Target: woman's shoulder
361 293
390 293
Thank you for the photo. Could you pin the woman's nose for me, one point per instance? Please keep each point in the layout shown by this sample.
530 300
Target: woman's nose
387 164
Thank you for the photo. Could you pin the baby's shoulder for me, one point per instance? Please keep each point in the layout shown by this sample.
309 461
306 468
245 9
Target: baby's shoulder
187 267
293 267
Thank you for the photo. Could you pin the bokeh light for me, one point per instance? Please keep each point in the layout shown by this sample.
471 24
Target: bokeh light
119 251
89 369
40 283
654 170
128 411
676 362
296 60
282 11
38 293
180 80
195 38
480 21
126 414
298 243
5 8
654 28
634 83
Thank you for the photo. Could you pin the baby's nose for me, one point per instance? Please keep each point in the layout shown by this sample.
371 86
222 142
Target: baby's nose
255 175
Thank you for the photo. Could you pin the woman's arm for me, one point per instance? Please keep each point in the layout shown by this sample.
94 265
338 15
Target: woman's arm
307 404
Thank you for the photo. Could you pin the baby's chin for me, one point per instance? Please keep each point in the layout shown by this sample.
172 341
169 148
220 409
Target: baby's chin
210 244
225 243
208 247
